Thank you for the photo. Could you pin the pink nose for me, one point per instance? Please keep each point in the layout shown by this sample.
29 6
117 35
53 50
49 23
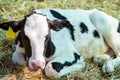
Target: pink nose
37 65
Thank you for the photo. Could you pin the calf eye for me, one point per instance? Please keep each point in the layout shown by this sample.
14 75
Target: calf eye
46 38
25 37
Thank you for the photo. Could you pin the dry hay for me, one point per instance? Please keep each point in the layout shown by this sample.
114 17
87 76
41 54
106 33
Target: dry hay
16 9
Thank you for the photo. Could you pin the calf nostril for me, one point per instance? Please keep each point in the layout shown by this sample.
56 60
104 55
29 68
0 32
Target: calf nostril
38 65
34 64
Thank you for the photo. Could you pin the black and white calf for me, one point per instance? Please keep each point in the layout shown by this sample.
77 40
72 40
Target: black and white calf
59 44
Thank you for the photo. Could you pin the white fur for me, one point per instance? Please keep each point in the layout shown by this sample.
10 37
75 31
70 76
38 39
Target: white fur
18 56
36 28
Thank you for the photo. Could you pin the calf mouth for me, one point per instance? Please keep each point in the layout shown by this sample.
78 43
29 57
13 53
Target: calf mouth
34 67
33 70
30 69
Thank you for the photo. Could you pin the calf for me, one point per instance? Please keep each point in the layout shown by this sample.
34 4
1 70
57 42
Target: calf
59 43
33 38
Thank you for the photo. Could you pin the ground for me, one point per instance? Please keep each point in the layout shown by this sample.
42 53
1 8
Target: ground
16 9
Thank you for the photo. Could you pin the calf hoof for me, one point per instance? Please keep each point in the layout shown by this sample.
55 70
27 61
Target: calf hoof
100 59
108 67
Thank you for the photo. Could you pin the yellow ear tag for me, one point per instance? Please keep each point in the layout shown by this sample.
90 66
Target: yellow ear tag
10 33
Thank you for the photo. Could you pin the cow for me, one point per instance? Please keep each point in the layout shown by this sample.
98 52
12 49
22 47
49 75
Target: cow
58 40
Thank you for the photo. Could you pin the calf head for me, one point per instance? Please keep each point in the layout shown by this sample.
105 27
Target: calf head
35 30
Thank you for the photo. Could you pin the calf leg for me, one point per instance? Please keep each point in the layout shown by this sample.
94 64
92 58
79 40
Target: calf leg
109 27
109 65
60 66
101 58
18 56
113 40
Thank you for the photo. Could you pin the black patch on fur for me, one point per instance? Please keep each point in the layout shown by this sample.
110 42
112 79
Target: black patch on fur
27 46
25 57
25 37
118 30
50 49
18 25
76 56
58 66
71 29
15 25
57 15
96 34
84 28
67 63
19 39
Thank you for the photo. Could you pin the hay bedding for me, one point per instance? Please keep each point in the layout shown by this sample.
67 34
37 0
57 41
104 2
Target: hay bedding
9 71
16 9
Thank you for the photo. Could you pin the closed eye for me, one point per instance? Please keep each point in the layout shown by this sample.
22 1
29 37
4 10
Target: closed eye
25 37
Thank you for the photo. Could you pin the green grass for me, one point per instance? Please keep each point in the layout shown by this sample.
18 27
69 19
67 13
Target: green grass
16 9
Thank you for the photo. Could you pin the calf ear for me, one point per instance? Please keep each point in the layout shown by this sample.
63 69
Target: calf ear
15 25
57 24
